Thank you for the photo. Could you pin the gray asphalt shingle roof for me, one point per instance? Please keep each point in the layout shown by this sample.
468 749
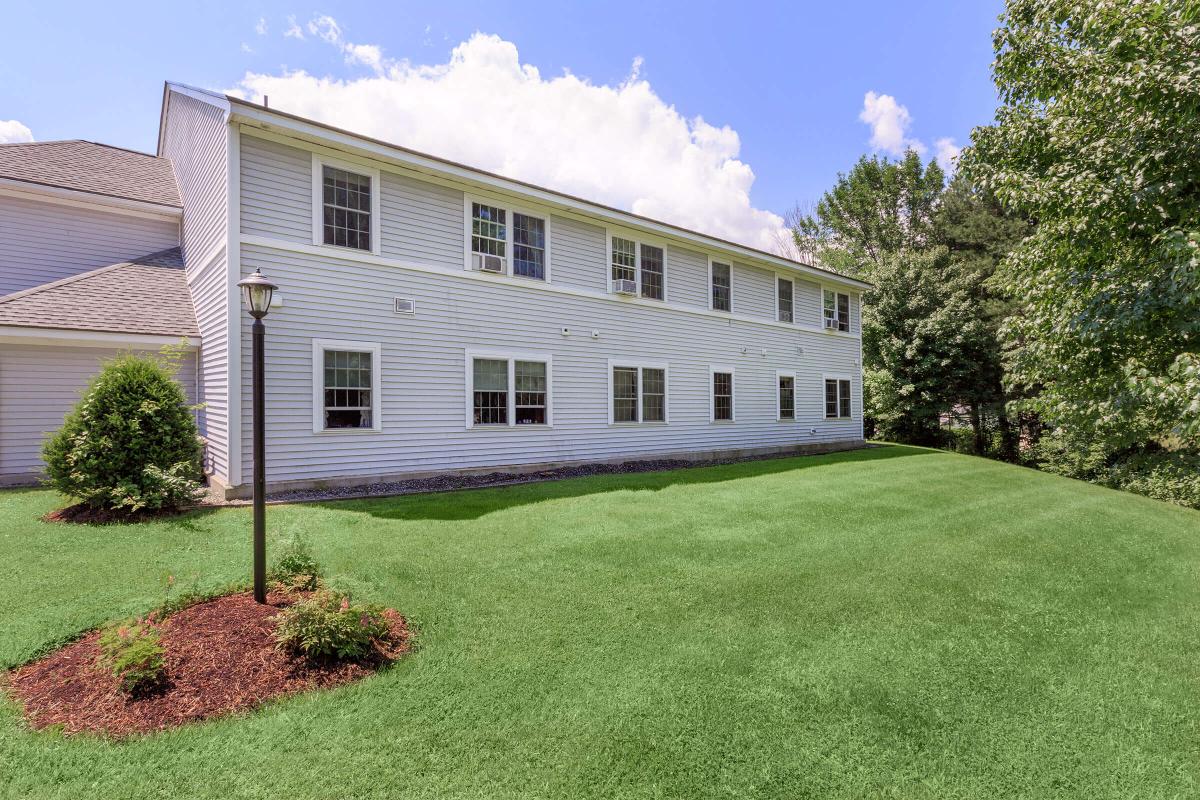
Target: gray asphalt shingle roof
148 295
90 167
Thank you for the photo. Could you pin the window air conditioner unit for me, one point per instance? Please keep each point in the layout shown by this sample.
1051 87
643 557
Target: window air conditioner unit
831 323
785 316
624 287
486 263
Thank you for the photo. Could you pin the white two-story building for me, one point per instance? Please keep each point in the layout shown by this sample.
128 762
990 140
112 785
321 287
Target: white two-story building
431 317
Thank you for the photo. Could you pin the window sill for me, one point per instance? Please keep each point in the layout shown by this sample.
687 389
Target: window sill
505 427
662 424
721 421
352 431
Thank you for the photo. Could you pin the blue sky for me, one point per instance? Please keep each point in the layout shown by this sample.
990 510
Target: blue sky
789 79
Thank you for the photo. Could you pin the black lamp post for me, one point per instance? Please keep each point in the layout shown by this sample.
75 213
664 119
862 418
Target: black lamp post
258 291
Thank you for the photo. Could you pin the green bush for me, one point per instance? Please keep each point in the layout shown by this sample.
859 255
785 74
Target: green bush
130 443
1170 476
296 566
327 625
132 652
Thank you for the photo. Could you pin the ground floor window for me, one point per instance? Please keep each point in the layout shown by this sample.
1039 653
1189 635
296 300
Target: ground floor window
639 392
505 390
722 394
345 385
786 395
837 398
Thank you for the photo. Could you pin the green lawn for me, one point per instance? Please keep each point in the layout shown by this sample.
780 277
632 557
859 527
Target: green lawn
885 623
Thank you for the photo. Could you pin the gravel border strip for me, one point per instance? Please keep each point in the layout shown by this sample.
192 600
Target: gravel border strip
454 482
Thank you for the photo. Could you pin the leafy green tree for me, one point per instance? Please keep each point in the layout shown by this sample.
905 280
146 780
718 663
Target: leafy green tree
1097 142
877 209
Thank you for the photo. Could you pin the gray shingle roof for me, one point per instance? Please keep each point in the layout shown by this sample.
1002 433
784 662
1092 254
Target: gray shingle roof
91 167
148 295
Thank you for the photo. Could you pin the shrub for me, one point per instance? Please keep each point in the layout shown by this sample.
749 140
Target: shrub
328 626
132 652
1170 476
296 566
130 443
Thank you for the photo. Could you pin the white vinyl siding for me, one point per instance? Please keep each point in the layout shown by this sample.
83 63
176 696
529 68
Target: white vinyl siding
42 242
39 385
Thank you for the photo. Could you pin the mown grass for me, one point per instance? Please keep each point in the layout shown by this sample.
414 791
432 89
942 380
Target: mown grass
892 623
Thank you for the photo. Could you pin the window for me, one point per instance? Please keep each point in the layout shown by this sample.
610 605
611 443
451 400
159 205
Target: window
783 300
506 241
722 296
345 385
786 395
722 394
529 246
837 398
643 265
837 310
506 390
639 392
346 208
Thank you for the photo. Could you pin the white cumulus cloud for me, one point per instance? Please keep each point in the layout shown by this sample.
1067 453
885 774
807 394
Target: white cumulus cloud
293 30
889 123
12 131
946 152
261 26
621 145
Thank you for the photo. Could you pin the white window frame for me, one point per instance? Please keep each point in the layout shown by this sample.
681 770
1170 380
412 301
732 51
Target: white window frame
708 287
639 241
713 369
509 209
785 279
319 162
511 357
839 378
849 309
319 346
783 373
640 366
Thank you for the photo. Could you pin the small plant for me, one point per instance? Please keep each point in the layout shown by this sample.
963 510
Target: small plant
296 567
328 626
131 443
132 652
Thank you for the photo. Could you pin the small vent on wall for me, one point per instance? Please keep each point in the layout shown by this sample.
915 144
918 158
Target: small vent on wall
405 305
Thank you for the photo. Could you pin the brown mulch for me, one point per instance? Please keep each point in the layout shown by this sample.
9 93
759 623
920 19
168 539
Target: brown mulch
83 514
221 658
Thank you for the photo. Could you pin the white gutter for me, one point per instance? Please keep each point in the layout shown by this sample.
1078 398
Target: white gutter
11 334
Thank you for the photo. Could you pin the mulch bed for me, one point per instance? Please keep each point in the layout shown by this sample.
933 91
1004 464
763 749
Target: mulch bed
83 514
221 658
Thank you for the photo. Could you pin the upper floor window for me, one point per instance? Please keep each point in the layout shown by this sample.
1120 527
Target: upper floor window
783 300
345 385
722 394
837 398
836 310
345 205
346 208
786 398
637 268
639 393
504 241
721 287
508 390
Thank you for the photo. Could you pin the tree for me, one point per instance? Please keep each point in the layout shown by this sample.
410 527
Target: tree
1096 141
879 208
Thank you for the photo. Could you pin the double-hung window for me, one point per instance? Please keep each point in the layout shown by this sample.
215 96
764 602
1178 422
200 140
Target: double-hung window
345 205
637 268
345 385
638 391
721 387
507 390
836 310
720 286
786 395
784 293
837 398
505 241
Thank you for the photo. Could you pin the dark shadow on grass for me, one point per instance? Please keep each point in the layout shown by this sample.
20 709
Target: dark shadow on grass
468 504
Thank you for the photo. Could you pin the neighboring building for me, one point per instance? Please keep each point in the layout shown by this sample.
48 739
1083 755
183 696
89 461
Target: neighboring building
435 317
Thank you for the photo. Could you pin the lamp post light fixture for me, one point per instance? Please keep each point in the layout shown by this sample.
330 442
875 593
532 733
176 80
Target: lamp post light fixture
258 291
